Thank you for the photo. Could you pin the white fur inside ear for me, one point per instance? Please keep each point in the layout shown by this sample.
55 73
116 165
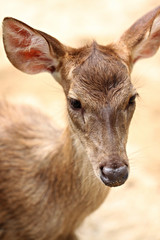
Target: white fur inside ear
27 49
150 43
156 25
138 51
16 42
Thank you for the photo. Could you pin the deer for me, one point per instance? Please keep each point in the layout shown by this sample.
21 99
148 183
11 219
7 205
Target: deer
51 179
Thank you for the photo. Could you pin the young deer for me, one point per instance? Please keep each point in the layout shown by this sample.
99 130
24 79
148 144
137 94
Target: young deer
50 181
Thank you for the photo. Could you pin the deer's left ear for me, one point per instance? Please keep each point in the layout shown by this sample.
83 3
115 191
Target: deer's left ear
142 39
30 50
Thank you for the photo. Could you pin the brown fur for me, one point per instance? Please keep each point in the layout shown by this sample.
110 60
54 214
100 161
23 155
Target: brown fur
50 180
36 166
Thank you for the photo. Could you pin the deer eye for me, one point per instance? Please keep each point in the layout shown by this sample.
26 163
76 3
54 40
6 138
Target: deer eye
75 104
132 100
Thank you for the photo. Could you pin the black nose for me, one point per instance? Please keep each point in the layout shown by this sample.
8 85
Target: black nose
113 177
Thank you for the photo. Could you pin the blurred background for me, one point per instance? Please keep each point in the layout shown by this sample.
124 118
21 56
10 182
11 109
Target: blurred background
132 211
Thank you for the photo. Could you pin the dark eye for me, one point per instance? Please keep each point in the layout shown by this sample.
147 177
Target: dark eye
75 104
132 100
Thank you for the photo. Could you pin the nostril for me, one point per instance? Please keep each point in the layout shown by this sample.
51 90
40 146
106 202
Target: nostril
114 177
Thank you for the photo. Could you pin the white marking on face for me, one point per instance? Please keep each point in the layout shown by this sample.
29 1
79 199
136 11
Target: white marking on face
57 76
70 74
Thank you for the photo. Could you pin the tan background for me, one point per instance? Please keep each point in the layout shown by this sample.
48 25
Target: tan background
131 212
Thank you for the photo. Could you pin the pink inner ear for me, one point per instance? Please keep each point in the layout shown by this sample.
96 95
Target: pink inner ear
18 36
19 42
37 68
156 35
18 30
35 61
27 49
32 53
149 47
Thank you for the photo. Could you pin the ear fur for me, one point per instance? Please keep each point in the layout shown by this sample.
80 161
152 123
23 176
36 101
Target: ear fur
30 50
142 39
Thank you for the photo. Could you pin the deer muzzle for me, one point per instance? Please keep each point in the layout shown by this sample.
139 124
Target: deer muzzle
114 177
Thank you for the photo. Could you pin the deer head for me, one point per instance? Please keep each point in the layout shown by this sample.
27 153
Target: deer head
96 82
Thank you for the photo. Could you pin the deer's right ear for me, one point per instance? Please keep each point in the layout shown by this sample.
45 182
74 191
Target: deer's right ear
30 50
142 39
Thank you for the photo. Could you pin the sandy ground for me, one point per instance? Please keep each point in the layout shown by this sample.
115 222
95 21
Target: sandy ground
131 212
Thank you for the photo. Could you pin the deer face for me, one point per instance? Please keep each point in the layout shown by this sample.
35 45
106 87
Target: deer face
101 102
96 81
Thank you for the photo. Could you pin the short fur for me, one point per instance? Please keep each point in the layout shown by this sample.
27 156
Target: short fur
50 180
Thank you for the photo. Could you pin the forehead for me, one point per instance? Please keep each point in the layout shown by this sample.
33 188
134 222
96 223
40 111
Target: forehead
99 73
